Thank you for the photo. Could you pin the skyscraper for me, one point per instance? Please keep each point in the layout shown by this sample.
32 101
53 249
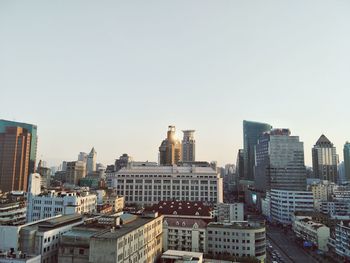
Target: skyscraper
251 133
17 154
91 161
346 152
188 146
280 162
170 149
324 160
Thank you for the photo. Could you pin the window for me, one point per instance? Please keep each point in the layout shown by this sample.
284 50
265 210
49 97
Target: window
81 251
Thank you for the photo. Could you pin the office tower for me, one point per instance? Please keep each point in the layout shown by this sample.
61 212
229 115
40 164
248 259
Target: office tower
346 152
82 157
170 149
341 173
280 162
91 161
75 171
324 160
240 164
17 155
188 146
45 173
251 134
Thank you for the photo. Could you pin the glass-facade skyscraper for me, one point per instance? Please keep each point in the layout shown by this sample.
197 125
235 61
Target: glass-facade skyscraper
251 134
280 162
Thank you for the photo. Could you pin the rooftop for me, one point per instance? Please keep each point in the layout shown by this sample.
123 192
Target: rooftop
239 225
182 208
124 229
174 169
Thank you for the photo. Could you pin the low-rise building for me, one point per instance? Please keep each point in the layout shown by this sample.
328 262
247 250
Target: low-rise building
117 202
237 239
342 239
176 256
11 257
284 203
137 239
13 210
230 212
184 226
312 232
42 238
54 203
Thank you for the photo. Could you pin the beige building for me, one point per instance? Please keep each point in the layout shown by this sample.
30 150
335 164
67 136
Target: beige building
117 202
137 239
311 231
75 171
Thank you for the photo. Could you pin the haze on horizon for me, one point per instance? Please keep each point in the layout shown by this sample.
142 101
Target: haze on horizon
115 74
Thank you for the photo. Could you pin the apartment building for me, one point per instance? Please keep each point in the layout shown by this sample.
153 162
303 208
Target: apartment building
230 212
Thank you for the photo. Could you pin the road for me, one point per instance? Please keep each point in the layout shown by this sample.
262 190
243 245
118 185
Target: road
284 243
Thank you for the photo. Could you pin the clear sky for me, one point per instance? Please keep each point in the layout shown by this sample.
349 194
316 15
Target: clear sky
115 74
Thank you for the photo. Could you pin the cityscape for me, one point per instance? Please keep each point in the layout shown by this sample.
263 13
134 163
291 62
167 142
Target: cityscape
174 131
178 209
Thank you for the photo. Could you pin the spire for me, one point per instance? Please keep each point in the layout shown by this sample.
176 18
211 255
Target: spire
323 141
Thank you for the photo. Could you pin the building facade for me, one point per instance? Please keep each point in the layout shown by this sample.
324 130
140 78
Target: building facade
147 185
54 203
280 162
188 146
342 239
237 239
75 171
15 147
284 203
346 152
91 161
251 134
325 160
170 150
308 230
230 212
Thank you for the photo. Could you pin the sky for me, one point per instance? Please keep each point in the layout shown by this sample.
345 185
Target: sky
115 74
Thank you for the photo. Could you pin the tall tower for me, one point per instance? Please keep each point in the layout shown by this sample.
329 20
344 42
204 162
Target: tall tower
251 133
91 161
346 152
188 146
324 160
280 162
18 142
170 149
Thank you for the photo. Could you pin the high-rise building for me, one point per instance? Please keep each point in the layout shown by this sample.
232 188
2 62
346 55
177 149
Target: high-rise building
17 154
240 164
170 149
251 134
324 160
280 162
346 152
122 162
188 146
82 156
75 171
91 161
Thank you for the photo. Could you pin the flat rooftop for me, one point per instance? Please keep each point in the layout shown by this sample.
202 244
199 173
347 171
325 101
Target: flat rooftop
124 229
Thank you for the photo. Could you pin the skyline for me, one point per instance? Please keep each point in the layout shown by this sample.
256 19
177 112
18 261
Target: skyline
113 77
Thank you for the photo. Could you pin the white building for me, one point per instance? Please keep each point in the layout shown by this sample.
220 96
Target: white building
147 185
284 203
342 239
239 239
91 161
266 206
34 183
43 238
310 231
53 203
7 257
230 212
175 256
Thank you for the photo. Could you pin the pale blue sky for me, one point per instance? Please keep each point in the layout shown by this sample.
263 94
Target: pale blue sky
115 74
